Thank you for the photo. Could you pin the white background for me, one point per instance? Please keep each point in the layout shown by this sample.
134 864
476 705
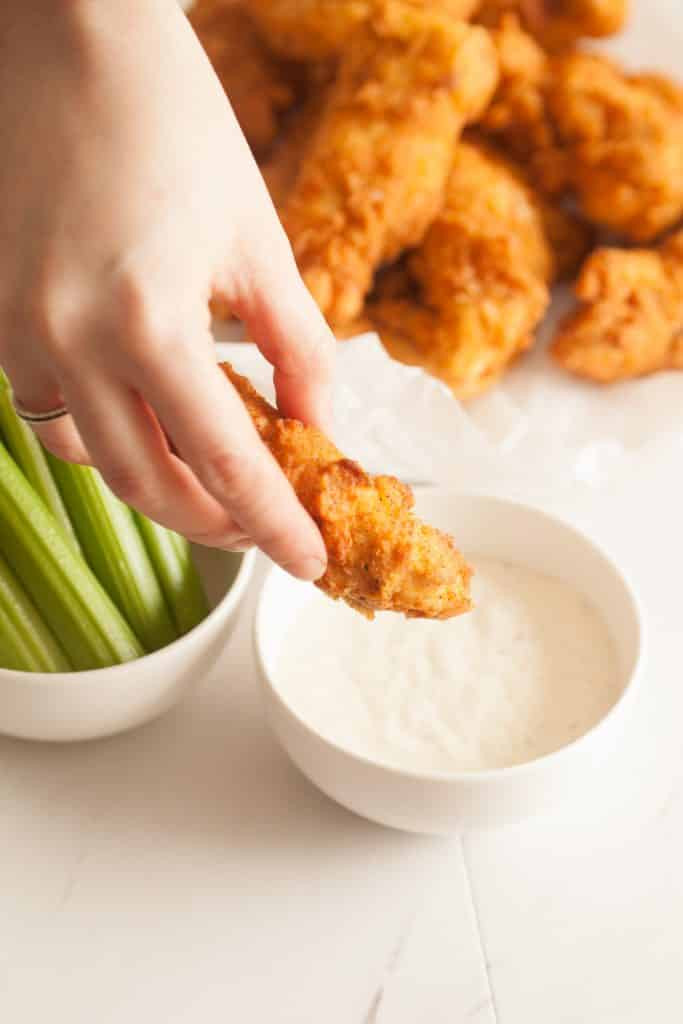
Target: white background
187 873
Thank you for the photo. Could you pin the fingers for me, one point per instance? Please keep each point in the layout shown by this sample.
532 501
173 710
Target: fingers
36 389
204 471
62 438
284 320
131 451
214 435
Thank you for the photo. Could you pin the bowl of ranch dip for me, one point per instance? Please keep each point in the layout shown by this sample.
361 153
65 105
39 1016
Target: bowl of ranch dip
488 718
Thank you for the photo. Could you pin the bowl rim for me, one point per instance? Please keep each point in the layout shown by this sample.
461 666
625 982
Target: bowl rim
623 702
225 606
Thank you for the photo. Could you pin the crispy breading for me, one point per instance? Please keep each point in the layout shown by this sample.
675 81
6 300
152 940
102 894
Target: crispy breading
587 129
258 85
380 556
559 25
318 29
663 86
619 146
374 176
308 29
480 278
518 116
631 320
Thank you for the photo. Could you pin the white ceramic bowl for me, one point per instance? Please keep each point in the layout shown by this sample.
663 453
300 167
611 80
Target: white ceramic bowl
439 803
87 705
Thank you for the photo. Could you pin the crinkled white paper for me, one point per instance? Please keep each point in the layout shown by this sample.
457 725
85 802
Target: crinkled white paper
539 432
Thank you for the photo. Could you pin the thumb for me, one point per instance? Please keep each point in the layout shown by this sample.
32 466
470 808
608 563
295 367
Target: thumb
284 321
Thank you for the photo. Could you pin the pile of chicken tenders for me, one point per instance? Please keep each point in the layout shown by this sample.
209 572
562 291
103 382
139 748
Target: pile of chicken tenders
439 165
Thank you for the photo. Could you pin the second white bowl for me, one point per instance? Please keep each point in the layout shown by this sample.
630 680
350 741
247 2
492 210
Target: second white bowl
442 803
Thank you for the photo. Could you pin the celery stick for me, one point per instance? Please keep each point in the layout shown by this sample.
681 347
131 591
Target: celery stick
107 533
182 586
29 456
26 643
84 619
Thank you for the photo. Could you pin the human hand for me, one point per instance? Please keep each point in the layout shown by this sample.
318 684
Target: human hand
128 198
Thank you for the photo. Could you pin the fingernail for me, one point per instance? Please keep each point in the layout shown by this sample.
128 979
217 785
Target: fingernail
307 569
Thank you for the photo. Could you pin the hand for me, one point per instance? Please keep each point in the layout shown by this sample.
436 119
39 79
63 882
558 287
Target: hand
128 197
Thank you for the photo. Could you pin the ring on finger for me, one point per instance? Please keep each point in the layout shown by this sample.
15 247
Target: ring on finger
39 417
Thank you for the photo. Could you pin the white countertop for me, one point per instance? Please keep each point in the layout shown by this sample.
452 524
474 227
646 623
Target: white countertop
187 873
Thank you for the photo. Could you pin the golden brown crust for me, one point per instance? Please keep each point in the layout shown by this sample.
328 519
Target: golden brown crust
258 85
585 128
380 556
619 148
518 117
559 25
320 29
374 176
481 277
631 319
308 29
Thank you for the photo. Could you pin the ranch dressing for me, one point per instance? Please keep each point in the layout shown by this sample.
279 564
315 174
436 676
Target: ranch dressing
526 672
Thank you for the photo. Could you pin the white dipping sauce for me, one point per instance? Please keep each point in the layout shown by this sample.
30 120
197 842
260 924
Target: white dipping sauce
526 672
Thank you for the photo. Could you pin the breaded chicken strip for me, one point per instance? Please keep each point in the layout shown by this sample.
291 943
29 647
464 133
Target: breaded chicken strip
258 85
318 29
559 24
480 277
585 128
631 322
374 176
619 145
380 556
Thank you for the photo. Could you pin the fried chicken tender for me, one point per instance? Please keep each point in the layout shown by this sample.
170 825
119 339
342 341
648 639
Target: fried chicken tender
480 276
258 85
319 29
380 556
374 176
559 25
619 145
587 129
631 323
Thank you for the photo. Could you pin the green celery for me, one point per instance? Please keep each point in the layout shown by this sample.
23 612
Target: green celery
26 643
182 586
84 619
28 454
114 549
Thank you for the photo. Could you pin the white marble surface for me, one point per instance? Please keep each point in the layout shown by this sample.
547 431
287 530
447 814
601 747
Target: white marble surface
186 873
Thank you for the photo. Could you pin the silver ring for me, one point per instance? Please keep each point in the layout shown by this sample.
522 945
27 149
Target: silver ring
39 417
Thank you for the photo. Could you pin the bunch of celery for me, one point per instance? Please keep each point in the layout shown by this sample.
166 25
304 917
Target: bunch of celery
84 581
